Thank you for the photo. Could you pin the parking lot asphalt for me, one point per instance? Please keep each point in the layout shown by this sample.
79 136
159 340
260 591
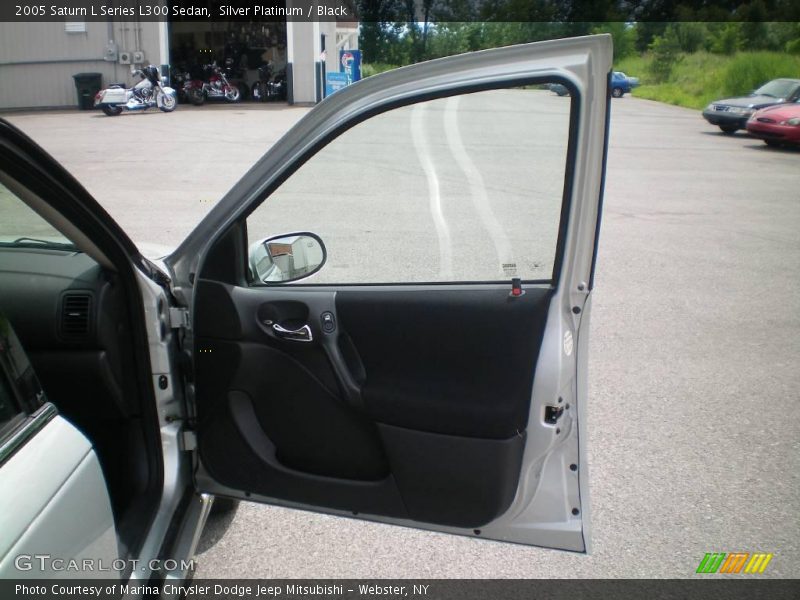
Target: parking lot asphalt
694 400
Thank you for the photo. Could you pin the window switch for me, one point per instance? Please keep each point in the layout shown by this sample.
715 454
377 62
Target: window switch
328 322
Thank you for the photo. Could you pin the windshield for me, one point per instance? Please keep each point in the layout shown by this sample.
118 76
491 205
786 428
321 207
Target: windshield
779 88
21 227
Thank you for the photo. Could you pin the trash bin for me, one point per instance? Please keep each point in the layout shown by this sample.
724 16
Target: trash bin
87 85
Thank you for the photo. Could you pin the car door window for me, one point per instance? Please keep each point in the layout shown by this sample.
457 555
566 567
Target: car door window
21 226
467 188
9 408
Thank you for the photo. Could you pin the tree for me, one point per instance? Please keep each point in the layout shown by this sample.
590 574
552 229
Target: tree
381 26
646 32
753 29
624 35
728 39
666 51
781 34
691 35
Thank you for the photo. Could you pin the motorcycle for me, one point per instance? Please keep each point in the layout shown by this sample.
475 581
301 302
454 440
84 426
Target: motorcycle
217 86
236 77
179 79
269 87
194 90
147 93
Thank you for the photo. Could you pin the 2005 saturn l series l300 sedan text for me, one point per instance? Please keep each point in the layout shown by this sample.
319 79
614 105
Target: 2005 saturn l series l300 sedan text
279 365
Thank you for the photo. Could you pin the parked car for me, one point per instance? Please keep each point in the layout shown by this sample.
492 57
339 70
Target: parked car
777 125
621 84
732 114
166 382
558 88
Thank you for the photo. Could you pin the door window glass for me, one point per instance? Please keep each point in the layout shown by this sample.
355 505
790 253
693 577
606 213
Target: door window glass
8 404
467 188
21 226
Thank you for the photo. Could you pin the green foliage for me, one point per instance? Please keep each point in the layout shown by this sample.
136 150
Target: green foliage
749 71
691 36
646 32
624 35
448 39
369 69
381 28
685 62
788 35
693 82
753 30
727 39
702 77
666 53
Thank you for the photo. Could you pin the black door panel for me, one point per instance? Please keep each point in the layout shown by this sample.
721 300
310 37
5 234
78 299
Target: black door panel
450 480
293 390
447 361
408 403
312 429
237 453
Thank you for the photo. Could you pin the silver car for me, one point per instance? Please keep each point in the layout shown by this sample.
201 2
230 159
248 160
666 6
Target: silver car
244 365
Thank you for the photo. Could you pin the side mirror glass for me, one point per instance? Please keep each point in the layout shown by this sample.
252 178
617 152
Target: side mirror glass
286 258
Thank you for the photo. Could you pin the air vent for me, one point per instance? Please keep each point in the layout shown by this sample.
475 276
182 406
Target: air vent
76 315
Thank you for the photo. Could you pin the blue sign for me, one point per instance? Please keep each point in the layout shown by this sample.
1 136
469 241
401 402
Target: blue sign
334 82
350 64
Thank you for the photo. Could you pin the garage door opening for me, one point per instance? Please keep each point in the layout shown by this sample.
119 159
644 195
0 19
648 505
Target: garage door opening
252 54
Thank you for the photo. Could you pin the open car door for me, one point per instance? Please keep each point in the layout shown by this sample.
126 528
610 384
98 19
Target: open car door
389 313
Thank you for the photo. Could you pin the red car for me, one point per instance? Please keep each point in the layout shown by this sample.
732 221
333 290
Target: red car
776 125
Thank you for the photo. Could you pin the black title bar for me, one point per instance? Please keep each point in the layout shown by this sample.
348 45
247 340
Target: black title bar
555 11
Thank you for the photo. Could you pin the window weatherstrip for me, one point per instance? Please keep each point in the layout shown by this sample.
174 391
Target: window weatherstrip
26 431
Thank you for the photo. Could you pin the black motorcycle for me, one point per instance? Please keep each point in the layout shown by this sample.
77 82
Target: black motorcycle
179 76
270 87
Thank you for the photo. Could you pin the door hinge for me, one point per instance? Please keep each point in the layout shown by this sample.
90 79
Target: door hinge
179 318
552 414
188 440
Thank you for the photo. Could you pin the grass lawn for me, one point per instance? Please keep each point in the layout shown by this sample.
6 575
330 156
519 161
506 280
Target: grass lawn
697 78
701 77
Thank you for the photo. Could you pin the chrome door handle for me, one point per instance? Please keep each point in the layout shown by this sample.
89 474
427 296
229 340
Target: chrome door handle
303 334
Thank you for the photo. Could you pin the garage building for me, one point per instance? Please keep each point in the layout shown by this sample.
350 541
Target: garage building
38 59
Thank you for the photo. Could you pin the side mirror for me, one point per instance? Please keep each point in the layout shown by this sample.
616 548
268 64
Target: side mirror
286 258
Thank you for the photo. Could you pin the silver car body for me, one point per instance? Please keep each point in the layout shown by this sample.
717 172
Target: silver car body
543 511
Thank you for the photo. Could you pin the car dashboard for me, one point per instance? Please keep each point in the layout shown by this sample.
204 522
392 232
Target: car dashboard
68 313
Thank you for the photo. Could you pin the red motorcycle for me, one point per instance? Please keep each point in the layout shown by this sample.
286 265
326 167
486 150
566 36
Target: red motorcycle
217 87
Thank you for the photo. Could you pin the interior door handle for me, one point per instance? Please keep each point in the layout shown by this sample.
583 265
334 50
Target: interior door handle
303 334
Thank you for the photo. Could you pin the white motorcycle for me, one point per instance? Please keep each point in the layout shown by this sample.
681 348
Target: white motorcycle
147 93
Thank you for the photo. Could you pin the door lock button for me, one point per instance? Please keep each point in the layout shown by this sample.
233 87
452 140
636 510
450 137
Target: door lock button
328 322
